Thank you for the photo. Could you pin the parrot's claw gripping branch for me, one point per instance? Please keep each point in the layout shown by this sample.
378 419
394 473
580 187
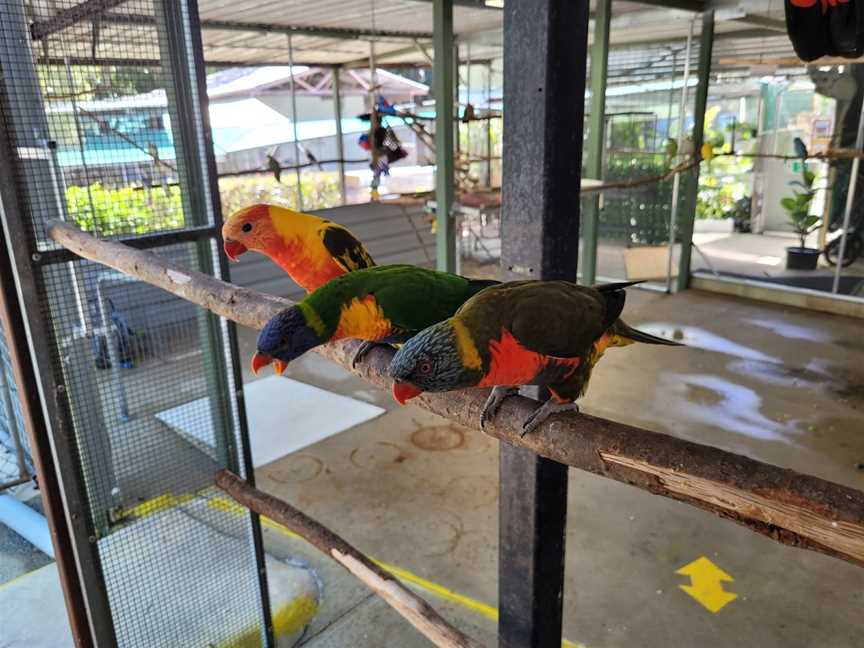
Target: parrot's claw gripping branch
789 507
543 412
493 403
363 349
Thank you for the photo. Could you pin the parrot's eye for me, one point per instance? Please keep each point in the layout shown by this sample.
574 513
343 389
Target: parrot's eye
247 227
425 367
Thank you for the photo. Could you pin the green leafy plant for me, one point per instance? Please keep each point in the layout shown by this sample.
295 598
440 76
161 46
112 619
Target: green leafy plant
124 210
797 206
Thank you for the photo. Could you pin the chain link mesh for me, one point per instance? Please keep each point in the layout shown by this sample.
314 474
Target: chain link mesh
98 110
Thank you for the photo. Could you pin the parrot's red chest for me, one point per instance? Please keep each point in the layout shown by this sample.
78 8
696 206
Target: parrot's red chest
513 364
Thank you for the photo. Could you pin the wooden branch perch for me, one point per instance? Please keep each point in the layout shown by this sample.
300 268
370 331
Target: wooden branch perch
413 608
789 507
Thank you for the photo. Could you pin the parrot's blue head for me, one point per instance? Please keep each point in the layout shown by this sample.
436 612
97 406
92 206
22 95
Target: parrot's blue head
284 338
434 360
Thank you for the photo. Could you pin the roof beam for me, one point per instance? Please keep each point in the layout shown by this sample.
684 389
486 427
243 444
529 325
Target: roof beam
469 4
687 5
402 51
73 15
62 21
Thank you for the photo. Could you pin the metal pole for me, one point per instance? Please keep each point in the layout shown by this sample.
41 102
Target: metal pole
80 136
778 105
13 325
706 44
442 81
467 101
545 48
489 125
676 181
294 126
850 200
340 144
596 136
373 114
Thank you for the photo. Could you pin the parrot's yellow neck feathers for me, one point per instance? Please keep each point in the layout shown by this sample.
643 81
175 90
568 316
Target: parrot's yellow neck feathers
465 345
313 320
290 224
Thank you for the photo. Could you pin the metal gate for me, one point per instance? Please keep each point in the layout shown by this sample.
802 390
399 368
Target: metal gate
104 124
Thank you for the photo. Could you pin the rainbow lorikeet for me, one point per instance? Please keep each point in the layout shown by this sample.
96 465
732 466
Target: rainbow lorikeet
548 333
310 249
384 304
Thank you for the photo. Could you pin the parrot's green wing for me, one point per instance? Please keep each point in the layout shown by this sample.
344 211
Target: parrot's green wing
559 318
409 297
417 298
555 318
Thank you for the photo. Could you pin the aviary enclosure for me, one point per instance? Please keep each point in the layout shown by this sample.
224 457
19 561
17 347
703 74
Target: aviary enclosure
131 317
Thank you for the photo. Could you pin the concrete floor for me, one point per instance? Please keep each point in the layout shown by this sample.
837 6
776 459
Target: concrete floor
760 257
783 386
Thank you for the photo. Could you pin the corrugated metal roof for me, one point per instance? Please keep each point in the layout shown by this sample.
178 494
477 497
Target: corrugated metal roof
241 31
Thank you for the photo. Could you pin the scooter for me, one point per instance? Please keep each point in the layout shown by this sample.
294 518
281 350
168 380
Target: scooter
854 245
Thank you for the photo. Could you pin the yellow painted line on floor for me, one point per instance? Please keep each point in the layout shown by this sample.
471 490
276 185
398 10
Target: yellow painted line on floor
227 505
466 602
288 619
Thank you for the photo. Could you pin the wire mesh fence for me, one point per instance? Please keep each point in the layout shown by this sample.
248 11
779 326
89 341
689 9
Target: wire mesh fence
100 107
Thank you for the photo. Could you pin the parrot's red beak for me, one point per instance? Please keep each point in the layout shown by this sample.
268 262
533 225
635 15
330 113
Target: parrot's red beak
403 392
233 249
261 360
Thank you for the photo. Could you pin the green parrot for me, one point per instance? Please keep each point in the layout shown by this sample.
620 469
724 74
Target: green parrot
670 149
381 304
548 333
274 167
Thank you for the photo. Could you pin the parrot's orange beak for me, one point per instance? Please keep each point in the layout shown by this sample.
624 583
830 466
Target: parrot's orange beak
261 360
403 392
233 249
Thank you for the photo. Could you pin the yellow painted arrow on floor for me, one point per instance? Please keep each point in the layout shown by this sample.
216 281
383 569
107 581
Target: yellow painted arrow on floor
706 584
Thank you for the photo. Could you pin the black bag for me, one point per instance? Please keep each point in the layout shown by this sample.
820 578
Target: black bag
825 28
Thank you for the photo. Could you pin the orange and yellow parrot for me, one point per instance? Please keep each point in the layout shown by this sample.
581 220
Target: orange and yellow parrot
311 250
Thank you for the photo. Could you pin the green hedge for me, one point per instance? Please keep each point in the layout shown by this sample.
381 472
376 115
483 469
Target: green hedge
129 210
125 210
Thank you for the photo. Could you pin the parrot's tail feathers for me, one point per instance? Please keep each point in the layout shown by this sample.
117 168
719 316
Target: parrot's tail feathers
476 285
621 329
612 287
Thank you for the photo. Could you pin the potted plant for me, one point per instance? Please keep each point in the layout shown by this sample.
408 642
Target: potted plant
803 223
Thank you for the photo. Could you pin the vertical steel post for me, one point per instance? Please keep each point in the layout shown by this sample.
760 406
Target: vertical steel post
706 45
467 100
442 82
340 143
676 181
850 200
297 173
13 324
594 148
489 125
545 46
